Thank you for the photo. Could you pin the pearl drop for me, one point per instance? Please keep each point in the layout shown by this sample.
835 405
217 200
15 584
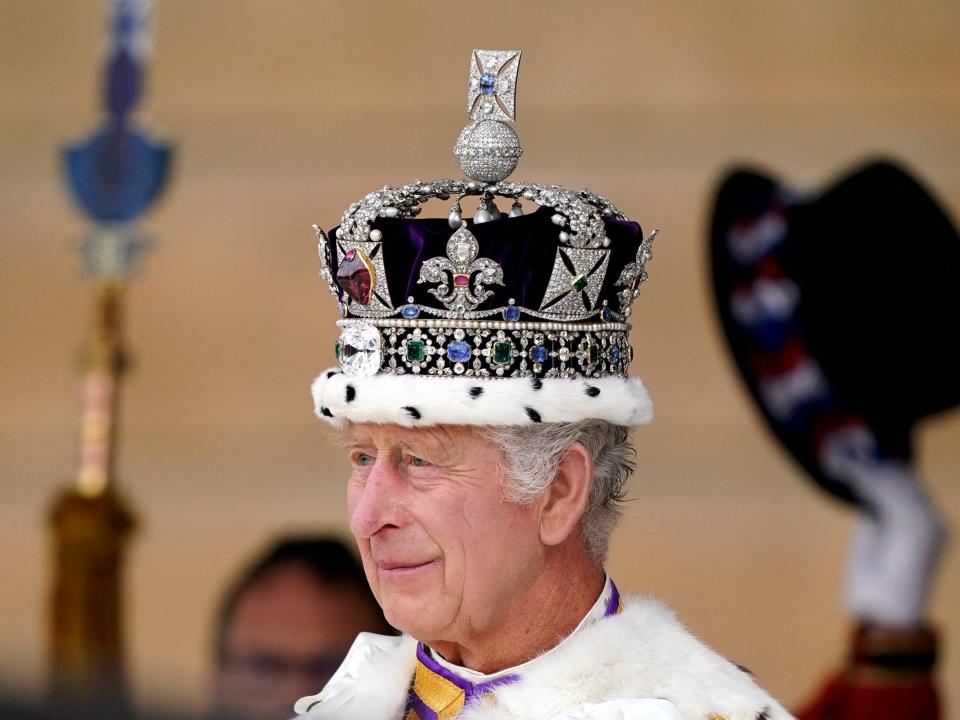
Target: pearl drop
564 236
482 215
516 210
376 235
558 219
455 219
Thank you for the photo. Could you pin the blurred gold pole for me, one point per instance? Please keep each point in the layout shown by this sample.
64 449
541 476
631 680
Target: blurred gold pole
91 526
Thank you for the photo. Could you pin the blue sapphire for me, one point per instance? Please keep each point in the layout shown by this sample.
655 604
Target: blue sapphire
614 354
487 83
511 313
458 351
410 311
606 314
538 354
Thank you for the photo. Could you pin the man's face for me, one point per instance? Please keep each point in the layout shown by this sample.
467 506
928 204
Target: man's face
287 635
444 553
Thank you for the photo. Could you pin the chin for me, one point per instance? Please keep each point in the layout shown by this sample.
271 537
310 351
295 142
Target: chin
414 615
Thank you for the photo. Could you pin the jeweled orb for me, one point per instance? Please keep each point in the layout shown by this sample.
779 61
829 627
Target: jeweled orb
360 349
487 150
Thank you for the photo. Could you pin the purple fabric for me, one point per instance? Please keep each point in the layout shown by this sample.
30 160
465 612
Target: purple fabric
525 247
477 690
470 689
613 604
420 707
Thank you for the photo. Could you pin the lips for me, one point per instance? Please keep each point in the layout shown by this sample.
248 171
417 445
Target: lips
401 565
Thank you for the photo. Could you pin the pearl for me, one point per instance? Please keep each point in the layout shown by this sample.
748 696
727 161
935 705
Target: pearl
390 212
558 219
516 210
455 219
495 213
482 215
564 236
376 235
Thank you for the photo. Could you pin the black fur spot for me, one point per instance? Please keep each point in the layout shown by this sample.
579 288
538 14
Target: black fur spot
412 412
592 390
331 373
533 414
764 714
326 411
537 383
351 393
476 391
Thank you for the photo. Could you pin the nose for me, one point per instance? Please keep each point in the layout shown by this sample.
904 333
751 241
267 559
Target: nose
376 503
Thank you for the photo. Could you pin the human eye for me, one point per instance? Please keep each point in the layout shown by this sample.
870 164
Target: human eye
418 461
359 458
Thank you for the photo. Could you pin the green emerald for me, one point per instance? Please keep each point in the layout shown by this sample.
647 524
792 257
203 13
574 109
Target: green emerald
337 349
593 353
579 282
415 351
502 352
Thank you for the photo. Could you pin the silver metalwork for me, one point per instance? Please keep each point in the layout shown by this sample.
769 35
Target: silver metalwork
464 269
575 282
379 304
442 350
488 148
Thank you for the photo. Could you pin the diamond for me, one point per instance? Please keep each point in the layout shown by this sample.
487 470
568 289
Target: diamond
458 351
487 83
538 354
511 313
564 354
410 311
502 353
360 349
462 251
356 276
579 283
415 351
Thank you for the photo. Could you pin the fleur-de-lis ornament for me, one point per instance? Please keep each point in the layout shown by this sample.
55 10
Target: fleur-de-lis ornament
462 275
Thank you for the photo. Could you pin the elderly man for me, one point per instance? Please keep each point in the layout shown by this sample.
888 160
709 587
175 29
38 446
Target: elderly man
484 398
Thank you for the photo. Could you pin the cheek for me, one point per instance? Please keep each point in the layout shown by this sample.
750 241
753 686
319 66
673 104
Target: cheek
501 534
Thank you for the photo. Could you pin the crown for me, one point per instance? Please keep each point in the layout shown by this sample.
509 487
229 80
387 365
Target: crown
544 294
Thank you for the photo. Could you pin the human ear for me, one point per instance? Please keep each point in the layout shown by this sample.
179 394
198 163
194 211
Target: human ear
565 500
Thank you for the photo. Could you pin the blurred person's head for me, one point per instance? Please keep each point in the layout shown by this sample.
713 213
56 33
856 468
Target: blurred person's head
285 624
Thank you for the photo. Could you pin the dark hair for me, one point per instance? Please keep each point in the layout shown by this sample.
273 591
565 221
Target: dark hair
327 558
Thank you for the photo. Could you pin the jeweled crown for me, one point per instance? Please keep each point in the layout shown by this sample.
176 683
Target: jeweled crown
544 294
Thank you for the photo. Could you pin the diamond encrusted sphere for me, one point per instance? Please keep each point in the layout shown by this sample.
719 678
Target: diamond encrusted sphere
360 349
487 150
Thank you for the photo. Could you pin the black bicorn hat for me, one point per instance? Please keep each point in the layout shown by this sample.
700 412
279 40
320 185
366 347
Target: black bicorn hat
840 308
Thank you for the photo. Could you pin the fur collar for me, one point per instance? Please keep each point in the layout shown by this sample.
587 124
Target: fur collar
644 652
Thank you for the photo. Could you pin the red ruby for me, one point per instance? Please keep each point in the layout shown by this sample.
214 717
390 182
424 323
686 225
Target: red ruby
354 276
461 280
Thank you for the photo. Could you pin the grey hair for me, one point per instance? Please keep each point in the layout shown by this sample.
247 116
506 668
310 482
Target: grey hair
530 456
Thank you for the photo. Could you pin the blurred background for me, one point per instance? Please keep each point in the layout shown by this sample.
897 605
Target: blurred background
284 113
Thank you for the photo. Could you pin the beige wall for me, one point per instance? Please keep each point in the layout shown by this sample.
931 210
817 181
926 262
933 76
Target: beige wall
285 112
